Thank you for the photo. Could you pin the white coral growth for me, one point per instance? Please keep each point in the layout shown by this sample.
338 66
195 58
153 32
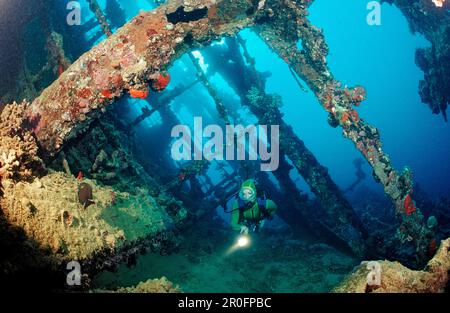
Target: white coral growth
8 162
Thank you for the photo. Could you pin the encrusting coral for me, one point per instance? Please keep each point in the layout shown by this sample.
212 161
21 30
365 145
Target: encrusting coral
49 212
397 278
18 148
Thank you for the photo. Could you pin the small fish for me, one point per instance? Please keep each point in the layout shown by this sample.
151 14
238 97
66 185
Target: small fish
182 177
80 176
85 196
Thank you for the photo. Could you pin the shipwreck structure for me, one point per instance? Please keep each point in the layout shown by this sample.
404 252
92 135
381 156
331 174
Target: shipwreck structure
134 60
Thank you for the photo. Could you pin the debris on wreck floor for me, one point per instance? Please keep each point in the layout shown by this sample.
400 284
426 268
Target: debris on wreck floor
161 285
275 262
398 279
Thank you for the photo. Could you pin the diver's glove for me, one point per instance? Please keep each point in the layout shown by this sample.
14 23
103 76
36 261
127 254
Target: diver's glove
244 230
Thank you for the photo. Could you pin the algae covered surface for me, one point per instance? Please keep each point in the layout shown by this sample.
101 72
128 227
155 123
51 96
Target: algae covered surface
49 211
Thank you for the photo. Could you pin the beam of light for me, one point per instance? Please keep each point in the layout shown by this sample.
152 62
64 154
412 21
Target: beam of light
241 242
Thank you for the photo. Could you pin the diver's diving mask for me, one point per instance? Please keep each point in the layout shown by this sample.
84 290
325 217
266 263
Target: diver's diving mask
247 194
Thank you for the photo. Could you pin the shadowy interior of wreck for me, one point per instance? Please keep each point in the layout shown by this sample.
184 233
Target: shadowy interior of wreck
118 148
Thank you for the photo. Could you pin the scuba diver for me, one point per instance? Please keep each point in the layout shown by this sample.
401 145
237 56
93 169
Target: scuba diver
250 210
360 175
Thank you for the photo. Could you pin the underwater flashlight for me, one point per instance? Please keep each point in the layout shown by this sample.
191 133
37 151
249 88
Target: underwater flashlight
242 241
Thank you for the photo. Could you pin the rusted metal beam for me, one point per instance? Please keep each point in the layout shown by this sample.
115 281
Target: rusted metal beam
95 8
220 107
161 102
129 61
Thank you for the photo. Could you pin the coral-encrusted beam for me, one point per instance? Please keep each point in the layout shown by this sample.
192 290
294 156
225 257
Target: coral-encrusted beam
93 5
220 107
130 61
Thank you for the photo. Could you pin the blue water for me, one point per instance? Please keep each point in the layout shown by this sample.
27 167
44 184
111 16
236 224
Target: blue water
381 58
